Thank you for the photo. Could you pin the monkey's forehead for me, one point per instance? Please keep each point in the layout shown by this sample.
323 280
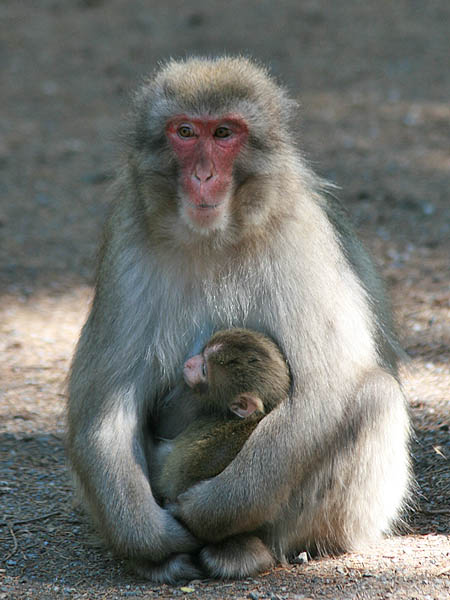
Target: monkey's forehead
200 86
213 349
237 76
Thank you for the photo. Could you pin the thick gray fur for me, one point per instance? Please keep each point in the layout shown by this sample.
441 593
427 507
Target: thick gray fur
328 469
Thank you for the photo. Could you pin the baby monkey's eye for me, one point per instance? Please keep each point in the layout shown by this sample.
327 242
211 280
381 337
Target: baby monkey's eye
204 369
231 362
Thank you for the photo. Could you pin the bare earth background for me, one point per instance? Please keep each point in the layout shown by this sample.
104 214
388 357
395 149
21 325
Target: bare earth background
373 79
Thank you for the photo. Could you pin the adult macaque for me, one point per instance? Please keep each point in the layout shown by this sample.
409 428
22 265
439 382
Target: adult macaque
239 377
219 223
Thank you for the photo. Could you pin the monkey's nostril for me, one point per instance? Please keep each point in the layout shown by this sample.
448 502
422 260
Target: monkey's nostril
203 178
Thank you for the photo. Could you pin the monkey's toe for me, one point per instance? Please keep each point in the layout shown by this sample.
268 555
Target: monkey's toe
236 558
179 568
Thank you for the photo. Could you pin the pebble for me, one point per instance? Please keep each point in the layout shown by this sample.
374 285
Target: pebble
301 559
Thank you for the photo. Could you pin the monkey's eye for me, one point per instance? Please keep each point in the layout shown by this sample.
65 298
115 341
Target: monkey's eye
232 361
204 369
185 131
222 132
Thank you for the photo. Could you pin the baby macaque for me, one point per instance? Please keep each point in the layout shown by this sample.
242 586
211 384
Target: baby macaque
239 377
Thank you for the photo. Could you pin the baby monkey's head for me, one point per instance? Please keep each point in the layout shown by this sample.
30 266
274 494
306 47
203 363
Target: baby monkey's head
239 370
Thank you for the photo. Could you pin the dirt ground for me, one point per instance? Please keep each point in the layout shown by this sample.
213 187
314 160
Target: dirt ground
374 83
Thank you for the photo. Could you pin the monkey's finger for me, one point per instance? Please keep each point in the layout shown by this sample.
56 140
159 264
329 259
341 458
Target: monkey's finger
178 538
173 508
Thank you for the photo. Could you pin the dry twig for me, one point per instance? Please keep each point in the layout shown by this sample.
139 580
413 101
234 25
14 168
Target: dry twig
435 511
16 544
24 521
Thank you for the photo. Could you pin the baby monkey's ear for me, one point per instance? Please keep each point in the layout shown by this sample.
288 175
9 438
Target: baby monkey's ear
245 405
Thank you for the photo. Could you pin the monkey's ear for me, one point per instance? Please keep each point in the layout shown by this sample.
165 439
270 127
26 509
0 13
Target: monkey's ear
245 405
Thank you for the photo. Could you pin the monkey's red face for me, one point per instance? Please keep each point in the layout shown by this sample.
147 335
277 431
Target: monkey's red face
206 149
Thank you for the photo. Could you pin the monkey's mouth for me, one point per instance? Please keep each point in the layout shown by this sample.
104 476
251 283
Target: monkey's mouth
207 207
205 215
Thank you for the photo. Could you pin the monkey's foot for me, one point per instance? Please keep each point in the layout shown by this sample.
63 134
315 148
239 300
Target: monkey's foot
179 568
236 557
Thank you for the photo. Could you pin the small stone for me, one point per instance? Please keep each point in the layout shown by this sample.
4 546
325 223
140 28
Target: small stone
428 208
301 559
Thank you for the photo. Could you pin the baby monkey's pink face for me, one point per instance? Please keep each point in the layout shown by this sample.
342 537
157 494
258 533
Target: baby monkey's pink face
195 370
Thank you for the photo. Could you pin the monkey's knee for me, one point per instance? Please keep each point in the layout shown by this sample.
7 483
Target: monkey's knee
176 569
236 557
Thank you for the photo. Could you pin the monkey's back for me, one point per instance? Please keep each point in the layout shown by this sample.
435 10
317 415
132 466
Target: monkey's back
203 451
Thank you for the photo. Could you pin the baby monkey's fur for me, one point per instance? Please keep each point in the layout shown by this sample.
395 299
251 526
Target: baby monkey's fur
246 377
